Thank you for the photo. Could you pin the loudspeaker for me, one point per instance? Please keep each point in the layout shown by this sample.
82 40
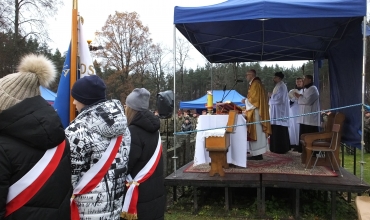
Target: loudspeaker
165 104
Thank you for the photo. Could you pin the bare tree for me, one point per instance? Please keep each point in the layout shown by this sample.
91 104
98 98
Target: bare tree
26 18
5 11
159 65
141 72
182 55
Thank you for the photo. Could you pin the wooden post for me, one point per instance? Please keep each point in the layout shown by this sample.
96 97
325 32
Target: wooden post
73 66
227 205
333 204
297 203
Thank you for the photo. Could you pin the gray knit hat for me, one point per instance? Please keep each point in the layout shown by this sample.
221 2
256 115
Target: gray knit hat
33 71
138 99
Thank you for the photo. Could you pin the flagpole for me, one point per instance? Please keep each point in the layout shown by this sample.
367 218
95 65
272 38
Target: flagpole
73 78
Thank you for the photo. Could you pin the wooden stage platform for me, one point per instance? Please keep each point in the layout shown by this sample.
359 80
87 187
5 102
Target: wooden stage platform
261 181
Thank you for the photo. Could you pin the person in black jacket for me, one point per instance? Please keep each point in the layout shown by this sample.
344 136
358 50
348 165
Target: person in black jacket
144 127
186 125
30 131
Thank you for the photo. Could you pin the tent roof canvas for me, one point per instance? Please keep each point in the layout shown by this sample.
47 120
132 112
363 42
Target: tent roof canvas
48 95
268 30
200 103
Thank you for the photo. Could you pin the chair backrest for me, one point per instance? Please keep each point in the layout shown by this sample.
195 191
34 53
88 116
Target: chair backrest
335 136
337 129
339 119
329 122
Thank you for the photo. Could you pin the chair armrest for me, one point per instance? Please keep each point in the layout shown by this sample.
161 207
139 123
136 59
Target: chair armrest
309 138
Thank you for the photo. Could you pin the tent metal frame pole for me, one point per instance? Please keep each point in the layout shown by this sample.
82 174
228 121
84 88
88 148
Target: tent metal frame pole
240 50
301 50
228 58
362 162
189 36
263 39
212 78
174 100
236 37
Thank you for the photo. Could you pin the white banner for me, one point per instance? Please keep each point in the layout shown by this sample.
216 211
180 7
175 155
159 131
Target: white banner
86 62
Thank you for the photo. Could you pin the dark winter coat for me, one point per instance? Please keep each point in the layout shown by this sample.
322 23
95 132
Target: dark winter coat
144 138
186 126
27 130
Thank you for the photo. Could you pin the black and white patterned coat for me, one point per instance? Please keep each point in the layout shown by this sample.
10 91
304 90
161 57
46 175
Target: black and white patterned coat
89 136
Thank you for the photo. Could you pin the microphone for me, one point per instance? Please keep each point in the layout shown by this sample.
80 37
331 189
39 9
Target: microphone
239 80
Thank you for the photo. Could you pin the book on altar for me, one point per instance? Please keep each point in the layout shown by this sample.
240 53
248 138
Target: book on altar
225 107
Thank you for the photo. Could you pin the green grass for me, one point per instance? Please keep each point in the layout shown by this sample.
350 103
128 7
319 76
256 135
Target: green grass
349 164
314 205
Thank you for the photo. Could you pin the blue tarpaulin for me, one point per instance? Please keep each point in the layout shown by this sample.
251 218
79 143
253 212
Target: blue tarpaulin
48 95
281 30
200 103
268 30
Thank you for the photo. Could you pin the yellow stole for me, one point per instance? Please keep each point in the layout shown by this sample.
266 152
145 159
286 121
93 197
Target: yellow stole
257 96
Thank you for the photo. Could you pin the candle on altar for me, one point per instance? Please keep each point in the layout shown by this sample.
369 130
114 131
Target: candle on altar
209 99
209 102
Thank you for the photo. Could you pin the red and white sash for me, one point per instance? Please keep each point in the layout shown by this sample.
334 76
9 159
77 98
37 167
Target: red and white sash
129 209
95 174
26 187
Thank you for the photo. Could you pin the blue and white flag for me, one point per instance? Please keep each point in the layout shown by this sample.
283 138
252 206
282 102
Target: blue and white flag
61 103
86 68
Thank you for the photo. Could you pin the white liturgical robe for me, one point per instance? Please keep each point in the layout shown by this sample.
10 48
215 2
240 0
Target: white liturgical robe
309 102
279 105
293 122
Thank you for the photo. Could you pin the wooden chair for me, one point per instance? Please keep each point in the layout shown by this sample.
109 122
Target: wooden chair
328 142
320 148
218 147
327 126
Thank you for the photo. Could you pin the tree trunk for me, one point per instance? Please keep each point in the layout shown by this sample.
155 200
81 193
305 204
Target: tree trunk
16 33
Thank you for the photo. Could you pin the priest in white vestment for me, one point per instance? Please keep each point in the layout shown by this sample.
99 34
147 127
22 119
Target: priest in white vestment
308 102
279 108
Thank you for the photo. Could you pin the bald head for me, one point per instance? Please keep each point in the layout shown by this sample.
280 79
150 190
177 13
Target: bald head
250 75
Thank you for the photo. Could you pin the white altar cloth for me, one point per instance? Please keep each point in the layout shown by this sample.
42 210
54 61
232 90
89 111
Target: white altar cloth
237 153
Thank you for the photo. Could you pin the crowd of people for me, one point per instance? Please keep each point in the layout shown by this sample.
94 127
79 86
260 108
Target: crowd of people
106 165
185 121
276 109
280 130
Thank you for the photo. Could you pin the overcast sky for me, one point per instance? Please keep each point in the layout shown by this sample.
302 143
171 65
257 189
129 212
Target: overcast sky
157 15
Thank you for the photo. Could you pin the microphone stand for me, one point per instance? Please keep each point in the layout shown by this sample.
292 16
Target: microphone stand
236 81
223 95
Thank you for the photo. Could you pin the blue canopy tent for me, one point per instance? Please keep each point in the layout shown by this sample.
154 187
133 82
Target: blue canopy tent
280 30
232 95
48 95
